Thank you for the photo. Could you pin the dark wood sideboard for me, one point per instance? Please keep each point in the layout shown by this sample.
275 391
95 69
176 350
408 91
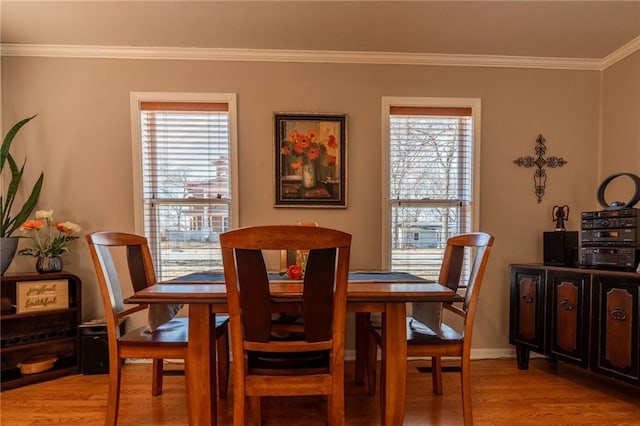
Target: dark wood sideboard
587 317
42 326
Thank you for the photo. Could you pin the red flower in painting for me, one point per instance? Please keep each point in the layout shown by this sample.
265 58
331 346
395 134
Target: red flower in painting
332 141
293 136
303 140
296 165
313 135
297 147
313 151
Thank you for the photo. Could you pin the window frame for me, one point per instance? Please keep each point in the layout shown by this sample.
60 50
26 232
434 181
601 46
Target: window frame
136 100
428 102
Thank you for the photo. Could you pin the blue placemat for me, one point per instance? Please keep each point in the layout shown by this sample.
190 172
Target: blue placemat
373 276
368 276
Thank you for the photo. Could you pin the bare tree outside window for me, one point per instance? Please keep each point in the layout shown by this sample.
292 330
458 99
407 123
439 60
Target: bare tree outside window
186 187
429 187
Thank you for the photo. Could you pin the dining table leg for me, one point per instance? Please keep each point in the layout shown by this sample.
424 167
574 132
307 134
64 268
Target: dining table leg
362 345
394 360
200 366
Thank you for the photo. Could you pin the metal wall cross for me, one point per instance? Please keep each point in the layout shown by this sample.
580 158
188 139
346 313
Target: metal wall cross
540 175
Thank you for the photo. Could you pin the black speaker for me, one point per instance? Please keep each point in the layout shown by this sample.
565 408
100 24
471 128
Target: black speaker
560 248
94 358
94 348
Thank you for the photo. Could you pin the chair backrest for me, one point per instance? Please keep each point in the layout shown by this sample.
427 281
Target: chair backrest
290 257
324 289
140 268
478 244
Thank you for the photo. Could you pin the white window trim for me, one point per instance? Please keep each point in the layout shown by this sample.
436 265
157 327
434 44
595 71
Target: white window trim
387 103
136 99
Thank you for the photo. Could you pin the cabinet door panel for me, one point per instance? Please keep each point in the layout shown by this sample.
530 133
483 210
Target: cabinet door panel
616 348
567 317
527 308
618 328
568 337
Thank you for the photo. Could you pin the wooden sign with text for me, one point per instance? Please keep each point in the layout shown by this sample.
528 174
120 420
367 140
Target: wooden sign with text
38 296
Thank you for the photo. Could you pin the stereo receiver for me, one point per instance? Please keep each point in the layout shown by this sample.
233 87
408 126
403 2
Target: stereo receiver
613 257
610 238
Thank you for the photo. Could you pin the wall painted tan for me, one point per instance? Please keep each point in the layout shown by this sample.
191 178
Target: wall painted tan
621 126
81 139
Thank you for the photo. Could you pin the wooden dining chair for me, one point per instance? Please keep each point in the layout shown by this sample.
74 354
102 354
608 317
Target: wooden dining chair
309 361
290 257
438 339
167 341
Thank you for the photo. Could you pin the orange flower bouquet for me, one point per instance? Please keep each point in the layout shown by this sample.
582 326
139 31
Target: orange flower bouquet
50 238
306 151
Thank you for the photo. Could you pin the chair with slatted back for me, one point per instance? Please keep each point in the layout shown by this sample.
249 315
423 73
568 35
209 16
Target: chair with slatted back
290 257
308 362
166 341
434 338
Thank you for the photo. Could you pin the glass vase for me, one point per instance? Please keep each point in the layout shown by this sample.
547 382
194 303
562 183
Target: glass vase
309 174
49 264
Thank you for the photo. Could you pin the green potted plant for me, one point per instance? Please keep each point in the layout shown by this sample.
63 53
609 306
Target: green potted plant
9 223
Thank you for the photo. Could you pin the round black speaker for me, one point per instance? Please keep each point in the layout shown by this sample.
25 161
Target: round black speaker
617 205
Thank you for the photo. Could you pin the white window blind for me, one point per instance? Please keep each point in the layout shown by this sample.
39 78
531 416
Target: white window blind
430 184
186 183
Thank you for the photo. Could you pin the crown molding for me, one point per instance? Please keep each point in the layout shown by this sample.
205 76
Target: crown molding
312 56
626 50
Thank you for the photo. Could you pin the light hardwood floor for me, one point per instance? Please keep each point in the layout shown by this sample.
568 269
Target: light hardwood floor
546 394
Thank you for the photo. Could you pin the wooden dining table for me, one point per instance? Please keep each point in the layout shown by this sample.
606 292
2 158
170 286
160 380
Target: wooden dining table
385 292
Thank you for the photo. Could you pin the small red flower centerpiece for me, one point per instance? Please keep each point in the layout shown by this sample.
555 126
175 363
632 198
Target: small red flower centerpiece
295 272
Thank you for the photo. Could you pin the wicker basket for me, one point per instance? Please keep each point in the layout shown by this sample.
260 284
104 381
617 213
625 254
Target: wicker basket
37 364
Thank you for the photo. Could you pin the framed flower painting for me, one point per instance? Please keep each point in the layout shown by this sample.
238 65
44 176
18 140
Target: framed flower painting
310 160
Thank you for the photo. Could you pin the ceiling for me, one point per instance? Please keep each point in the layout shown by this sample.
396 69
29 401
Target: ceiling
553 29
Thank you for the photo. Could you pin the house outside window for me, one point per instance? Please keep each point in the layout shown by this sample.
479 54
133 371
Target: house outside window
430 154
184 162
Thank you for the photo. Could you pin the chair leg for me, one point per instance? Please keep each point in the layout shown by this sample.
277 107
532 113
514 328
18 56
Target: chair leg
335 410
436 374
239 402
156 377
335 401
113 397
222 351
255 405
372 360
465 375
